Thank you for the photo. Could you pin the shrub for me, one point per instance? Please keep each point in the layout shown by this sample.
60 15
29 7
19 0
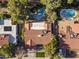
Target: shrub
40 54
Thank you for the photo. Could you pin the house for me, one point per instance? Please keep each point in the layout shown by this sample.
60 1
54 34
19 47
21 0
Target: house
37 33
3 1
69 37
7 32
4 10
3 6
4 40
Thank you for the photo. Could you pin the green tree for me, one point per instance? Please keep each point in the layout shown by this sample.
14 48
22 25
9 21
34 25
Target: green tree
8 50
18 9
56 56
1 15
51 48
25 2
52 16
43 2
5 51
48 49
69 1
52 5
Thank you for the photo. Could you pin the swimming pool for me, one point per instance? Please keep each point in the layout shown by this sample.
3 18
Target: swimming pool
67 13
39 15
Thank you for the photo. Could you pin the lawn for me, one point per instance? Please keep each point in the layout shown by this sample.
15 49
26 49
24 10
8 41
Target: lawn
40 54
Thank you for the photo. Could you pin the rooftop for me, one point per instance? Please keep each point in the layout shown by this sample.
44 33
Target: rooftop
69 32
6 27
4 39
37 33
3 10
3 1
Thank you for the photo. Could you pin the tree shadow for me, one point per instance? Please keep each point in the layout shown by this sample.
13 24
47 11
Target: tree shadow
64 3
68 53
61 43
75 4
55 28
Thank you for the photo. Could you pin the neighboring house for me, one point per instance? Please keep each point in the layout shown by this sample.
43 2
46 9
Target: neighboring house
4 40
7 32
69 38
3 1
4 10
3 6
37 34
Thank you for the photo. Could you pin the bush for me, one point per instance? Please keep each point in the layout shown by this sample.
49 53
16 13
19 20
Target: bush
40 54
4 51
6 16
56 56
3 5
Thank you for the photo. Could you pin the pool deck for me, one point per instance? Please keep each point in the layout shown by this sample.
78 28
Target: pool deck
77 14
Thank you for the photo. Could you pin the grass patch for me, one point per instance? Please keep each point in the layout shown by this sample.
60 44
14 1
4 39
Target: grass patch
40 54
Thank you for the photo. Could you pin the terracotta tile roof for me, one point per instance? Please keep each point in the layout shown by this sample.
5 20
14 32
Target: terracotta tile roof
3 10
4 40
75 28
67 41
3 1
32 37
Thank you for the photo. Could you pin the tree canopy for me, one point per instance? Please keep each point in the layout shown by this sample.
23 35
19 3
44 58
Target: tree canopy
52 16
43 2
18 9
1 15
51 48
51 5
69 1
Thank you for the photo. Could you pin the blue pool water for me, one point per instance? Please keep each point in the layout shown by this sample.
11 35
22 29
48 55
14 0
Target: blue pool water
39 15
67 13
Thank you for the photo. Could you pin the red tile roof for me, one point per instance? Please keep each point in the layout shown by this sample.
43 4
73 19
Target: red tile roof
31 36
4 40
66 41
3 1
75 28
3 10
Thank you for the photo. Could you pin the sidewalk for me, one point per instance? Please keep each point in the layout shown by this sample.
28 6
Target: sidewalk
30 58
70 58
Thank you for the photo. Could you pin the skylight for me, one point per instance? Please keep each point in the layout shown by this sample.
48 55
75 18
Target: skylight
38 26
7 28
